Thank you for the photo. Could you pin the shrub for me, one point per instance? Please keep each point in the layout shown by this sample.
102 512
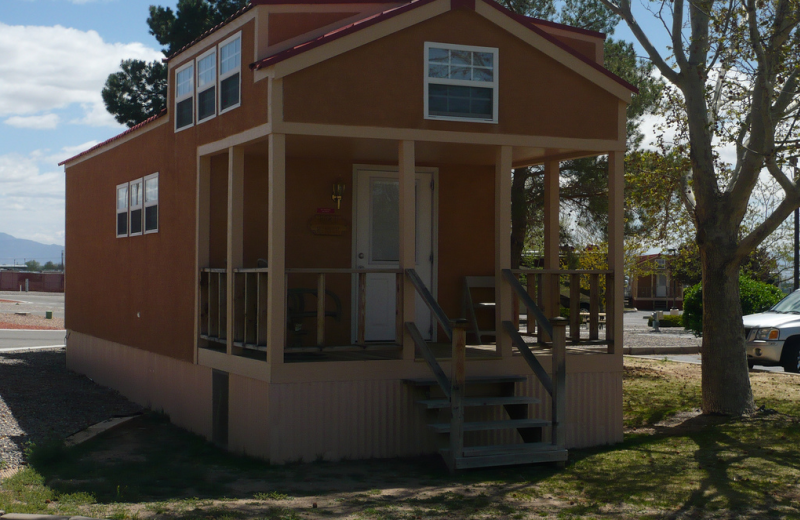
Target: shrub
667 321
754 296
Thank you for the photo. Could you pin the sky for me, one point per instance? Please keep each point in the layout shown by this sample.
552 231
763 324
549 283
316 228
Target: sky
55 56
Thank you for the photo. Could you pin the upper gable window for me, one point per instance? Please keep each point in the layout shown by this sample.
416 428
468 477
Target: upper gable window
184 96
461 82
230 64
206 85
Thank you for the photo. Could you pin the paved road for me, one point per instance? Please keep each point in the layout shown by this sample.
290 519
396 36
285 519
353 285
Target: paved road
11 339
695 358
34 302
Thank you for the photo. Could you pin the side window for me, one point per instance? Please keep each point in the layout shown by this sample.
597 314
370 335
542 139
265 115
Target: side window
122 210
151 203
230 57
136 207
206 86
184 96
461 82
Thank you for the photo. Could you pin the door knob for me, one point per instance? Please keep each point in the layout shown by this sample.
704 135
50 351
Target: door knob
361 255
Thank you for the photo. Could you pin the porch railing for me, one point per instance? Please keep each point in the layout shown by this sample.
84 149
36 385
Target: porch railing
249 306
585 301
322 297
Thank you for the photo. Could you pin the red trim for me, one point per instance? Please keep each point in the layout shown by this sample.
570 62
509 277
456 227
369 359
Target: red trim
323 2
555 25
116 137
338 33
462 4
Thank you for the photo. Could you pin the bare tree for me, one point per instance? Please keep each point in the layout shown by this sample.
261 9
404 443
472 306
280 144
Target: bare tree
734 72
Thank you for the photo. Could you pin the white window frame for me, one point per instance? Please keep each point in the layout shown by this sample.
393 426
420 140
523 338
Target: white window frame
494 85
213 84
178 99
132 207
148 204
221 78
119 211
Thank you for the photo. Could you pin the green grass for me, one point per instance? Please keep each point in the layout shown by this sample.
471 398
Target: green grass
700 467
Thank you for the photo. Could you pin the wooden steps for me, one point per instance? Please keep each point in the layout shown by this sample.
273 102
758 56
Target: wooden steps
485 380
507 455
480 401
492 425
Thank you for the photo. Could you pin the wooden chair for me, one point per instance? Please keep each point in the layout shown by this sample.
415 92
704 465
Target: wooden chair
469 305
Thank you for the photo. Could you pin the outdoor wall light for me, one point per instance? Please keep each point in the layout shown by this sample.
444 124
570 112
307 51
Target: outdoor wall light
338 191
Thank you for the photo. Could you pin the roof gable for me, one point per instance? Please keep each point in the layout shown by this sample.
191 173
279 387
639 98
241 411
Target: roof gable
392 20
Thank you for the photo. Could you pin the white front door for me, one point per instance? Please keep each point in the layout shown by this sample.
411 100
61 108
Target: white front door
377 243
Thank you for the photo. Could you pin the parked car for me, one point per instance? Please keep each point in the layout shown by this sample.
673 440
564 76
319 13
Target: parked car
773 336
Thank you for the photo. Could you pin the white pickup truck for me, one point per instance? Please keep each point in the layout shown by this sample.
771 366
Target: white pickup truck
773 336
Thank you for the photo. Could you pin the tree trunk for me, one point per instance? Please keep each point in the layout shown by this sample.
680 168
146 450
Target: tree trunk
519 215
726 379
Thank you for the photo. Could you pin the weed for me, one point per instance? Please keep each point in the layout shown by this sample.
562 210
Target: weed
272 495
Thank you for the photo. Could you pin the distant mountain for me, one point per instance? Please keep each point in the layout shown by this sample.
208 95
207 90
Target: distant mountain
20 249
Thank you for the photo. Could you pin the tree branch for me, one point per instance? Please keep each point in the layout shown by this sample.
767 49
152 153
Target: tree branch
770 224
787 94
677 33
788 186
687 196
623 10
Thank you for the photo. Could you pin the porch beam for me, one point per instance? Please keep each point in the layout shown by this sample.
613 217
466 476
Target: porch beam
502 247
235 241
408 237
276 256
614 299
552 301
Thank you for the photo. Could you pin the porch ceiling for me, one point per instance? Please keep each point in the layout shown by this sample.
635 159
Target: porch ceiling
383 151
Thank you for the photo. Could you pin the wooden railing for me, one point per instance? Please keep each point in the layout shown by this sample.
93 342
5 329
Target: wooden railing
322 296
213 304
538 279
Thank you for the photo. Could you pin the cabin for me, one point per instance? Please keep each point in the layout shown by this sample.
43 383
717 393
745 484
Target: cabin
656 290
307 254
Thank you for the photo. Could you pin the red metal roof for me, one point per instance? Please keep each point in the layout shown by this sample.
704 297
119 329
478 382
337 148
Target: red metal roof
530 23
116 137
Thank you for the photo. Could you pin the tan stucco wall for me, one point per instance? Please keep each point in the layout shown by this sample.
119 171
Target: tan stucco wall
381 84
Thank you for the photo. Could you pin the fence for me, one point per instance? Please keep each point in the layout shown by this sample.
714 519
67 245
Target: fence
39 282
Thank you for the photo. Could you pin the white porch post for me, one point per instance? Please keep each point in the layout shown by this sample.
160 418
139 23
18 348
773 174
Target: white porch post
551 293
502 247
276 257
614 295
408 237
235 227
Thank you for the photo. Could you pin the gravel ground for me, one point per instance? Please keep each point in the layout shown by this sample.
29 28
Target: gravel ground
40 399
16 321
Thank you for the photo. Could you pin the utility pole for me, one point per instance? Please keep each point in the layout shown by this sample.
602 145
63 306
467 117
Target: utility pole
793 162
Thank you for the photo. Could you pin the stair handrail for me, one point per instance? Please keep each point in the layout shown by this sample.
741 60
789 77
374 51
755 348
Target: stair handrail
429 357
432 304
525 350
534 309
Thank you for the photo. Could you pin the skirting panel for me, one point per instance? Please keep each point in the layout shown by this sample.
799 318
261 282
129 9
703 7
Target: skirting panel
179 389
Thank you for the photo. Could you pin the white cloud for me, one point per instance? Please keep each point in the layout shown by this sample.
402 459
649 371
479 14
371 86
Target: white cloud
47 68
44 122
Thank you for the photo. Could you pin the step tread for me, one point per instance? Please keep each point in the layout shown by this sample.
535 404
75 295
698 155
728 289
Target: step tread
492 425
480 401
424 381
511 459
500 449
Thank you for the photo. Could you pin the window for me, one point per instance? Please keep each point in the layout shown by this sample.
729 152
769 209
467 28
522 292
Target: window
122 210
151 203
230 54
461 82
136 207
661 263
184 96
206 86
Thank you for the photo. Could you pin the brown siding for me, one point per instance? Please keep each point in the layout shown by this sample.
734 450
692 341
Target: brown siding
586 48
112 279
283 26
381 84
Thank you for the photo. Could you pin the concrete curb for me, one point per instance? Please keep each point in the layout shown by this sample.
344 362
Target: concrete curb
95 430
656 351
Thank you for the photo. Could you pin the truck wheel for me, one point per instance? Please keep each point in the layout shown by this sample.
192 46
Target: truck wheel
791 358
751 364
